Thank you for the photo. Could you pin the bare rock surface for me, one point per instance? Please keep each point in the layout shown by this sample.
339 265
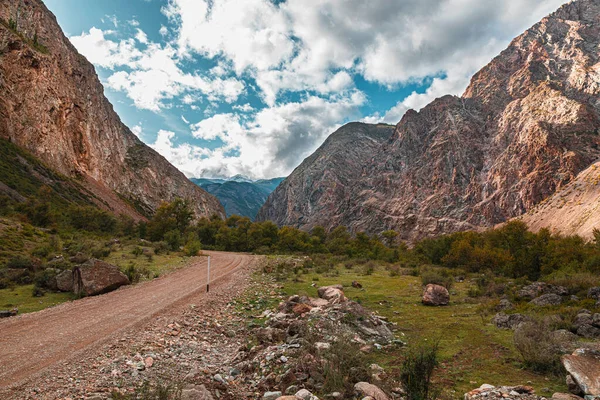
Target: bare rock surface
96 277
64 281
584 368
52 103
368 389
525 127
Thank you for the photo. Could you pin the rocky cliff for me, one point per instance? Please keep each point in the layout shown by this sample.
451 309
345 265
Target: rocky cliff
526 126
52 104
322 189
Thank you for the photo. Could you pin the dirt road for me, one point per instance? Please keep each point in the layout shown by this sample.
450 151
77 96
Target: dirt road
32 342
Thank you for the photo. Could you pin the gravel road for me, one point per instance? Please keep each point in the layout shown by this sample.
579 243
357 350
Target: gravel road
30 343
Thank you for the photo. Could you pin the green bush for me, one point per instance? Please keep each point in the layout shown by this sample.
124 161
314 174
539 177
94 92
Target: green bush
436 278
173 239
417 370
20 262
192 247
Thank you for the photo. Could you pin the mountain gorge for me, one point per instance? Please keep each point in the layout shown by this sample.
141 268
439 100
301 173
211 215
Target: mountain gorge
239 195
527 124
53 105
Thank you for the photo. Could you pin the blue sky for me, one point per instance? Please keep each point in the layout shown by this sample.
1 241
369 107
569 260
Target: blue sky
252 87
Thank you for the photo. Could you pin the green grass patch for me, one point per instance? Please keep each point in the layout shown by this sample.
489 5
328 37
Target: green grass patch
21 297
471 350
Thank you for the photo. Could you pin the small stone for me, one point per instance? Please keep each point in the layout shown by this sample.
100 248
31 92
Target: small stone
271 395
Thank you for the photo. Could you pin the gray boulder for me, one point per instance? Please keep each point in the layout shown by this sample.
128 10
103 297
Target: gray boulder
64 281
536 289
550 299
594 293
508 321
96 277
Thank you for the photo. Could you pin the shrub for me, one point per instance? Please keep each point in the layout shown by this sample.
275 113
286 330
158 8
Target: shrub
37 291
137 251
161 248
192 247
436 278
539 348
173 239
344 366
20 262
417 370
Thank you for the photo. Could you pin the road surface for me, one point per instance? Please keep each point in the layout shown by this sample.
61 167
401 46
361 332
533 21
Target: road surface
33 342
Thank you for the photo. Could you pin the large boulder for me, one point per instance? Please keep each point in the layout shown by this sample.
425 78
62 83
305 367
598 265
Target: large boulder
584 368
64 281
333 294
435 295
549 299
96 277
594 293
366 389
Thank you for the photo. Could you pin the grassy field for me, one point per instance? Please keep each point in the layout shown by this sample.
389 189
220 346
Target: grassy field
21 297
472 351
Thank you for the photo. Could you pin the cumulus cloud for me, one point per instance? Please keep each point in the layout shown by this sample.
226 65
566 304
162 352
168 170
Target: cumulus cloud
153 75
268 145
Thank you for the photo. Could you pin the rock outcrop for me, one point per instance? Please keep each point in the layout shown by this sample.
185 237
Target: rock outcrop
525 127
52 104
97 277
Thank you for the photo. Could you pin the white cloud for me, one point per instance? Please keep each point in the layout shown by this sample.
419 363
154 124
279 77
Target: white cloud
251 33
271 144
137 130
141 36
164 31
155 75
245 108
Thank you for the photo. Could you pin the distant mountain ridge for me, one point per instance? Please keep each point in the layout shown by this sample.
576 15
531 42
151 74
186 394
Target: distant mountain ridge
526 126
239 195
52 104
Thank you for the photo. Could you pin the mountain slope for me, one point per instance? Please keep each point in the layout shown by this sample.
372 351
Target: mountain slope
239 197
526 126
52 104
318 190
573 210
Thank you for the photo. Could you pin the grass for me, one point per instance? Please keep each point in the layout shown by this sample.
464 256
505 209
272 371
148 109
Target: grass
21 298
158 265
472 351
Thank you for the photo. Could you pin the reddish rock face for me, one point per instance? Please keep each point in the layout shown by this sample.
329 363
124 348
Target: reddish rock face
527 125
53 104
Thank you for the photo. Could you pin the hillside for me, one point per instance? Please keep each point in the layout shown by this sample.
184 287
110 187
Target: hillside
525 127
239 197
52 104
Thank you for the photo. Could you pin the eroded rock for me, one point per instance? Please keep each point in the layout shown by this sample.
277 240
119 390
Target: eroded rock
584 367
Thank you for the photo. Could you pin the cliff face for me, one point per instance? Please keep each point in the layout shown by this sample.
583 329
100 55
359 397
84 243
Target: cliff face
52 103
526 126
320 191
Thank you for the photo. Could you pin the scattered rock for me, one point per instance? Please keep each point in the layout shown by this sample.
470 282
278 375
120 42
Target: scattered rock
508 321
8 313
306 395
301 308
594 293
64 281
504 305
356 284
584 367
565 396
435 295
196 393
550 299
96 277
367 389
333 294
271 395
536 289
489 392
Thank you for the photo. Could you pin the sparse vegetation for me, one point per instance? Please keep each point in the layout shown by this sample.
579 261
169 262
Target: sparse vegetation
417 371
